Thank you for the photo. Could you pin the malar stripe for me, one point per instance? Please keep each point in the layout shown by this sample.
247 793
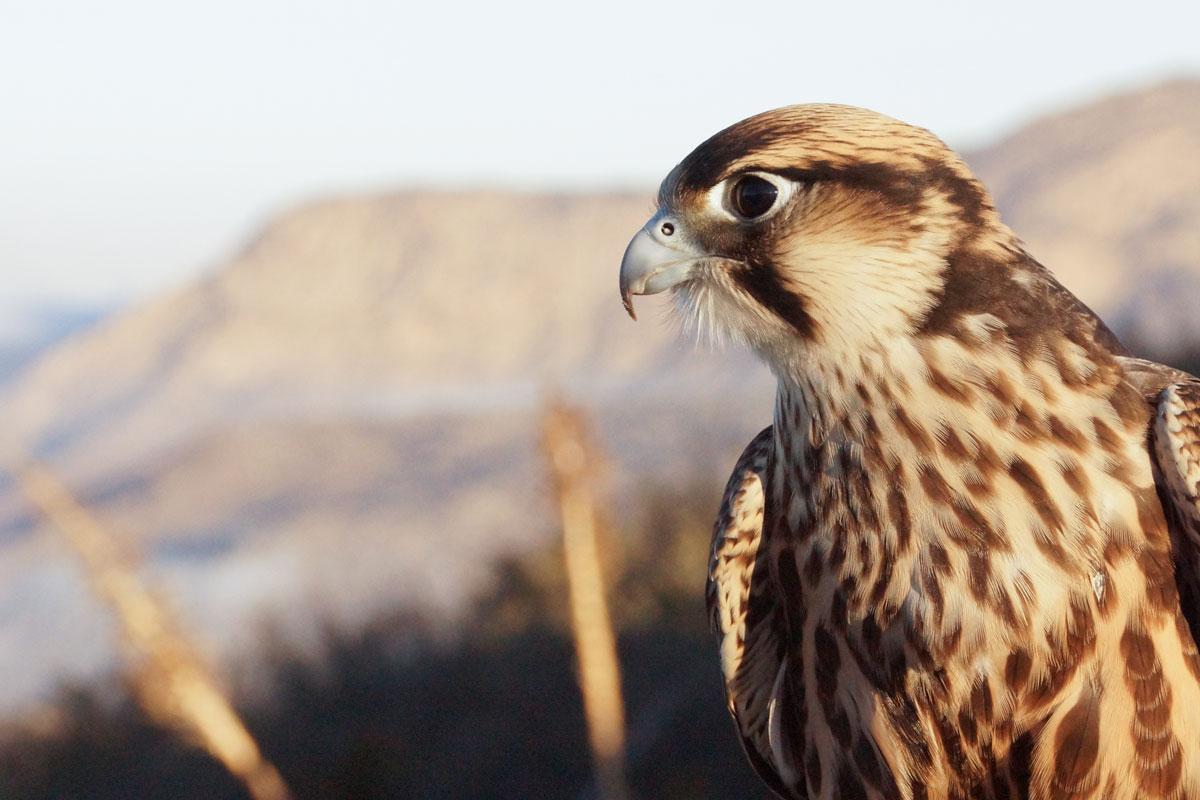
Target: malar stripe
762 282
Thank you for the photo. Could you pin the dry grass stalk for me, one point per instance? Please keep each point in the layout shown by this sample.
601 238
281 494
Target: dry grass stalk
573 463
172 682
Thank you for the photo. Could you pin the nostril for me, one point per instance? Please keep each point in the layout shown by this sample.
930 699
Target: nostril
667 229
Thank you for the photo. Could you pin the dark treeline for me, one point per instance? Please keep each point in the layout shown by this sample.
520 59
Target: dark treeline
402 709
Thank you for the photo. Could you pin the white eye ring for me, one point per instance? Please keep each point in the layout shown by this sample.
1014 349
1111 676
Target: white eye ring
721 198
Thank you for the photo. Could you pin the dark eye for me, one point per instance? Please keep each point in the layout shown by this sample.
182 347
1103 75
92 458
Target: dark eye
752 196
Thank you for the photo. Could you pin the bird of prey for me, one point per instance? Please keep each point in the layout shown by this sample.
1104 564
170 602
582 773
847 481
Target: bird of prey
964 561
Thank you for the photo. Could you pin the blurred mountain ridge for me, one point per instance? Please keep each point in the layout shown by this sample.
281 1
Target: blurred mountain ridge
1108 197
358 302
343 417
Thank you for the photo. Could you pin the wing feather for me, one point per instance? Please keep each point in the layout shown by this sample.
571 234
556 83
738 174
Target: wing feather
1175 451
745 616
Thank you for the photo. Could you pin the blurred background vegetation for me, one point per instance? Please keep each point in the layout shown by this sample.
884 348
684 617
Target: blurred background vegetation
404 707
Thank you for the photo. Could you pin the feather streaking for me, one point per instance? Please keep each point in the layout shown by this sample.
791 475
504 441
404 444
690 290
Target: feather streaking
964 561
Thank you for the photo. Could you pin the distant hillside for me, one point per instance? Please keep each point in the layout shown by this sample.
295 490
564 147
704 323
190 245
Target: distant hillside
398 305
1108 197
344 415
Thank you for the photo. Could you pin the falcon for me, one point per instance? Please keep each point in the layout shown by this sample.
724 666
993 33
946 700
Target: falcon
963 561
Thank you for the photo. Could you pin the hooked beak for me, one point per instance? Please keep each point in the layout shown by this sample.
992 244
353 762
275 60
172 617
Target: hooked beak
660 256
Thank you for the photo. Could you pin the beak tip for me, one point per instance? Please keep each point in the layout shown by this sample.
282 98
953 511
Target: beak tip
627 301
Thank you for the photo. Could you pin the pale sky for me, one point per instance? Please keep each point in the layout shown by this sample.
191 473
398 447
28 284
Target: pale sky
141 142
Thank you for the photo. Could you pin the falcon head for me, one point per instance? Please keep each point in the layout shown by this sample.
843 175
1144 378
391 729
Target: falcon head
810 227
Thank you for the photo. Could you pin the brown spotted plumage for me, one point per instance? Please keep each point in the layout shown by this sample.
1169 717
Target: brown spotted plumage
964 561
